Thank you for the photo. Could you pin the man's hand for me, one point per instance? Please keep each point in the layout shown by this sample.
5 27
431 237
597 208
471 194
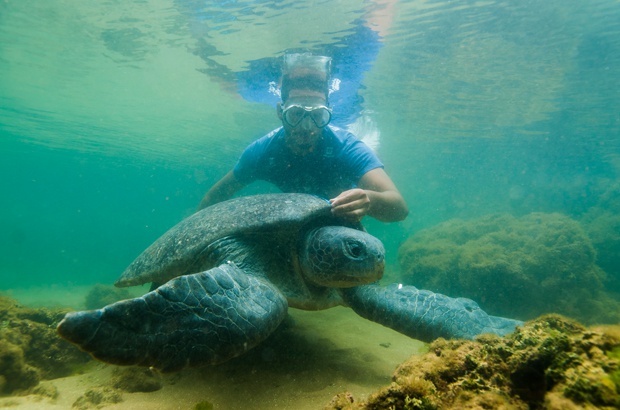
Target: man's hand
352 205
376 196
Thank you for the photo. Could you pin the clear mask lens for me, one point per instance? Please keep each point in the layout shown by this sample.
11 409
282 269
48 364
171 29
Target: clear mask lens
293 115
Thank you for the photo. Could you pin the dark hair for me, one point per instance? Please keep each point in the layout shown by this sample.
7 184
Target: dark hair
305 72
314 83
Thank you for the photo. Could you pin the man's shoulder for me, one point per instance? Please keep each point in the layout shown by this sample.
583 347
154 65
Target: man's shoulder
346 141
340 134
272 135
341 139
266 140
255 154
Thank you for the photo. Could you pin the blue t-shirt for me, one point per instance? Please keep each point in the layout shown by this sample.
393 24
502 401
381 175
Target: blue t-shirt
337 164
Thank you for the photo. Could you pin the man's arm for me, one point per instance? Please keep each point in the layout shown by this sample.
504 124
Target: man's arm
224 189
376 196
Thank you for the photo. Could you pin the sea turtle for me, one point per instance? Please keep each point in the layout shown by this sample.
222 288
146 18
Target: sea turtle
230 272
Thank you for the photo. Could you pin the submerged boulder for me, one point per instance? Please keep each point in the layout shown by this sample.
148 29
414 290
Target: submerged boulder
515 267
549 363
602 223
603 227
102 295
15 374
30 349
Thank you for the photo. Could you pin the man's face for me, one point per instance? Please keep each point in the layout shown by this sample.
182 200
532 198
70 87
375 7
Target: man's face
302 138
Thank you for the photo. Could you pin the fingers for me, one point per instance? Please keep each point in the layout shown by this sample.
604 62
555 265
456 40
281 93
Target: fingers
351 205
349 197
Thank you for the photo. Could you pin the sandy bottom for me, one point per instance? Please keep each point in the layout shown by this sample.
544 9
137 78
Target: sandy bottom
311 358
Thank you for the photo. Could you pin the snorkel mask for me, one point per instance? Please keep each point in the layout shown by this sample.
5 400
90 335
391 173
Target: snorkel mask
310 74
293 114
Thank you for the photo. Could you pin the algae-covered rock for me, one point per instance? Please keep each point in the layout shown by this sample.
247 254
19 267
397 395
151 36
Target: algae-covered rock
136 379
603 227
97 398
515 267
550 363
204 405
602 223
45 390
30 349
15 374
103 295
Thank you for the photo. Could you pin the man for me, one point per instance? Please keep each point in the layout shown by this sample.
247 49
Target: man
307 155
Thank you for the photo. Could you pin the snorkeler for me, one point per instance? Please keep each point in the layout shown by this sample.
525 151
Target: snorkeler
307 155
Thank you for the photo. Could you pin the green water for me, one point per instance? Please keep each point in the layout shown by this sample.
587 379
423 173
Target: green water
111 132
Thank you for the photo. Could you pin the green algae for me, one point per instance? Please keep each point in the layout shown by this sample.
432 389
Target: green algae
515 267
204 405
551 363
30 349
615 375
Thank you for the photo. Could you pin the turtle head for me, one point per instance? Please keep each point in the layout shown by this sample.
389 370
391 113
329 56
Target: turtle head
341 257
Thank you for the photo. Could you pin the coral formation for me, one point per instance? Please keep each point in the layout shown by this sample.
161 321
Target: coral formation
30 349
549 363
516 267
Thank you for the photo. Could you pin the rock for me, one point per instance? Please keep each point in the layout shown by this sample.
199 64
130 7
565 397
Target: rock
97 398
15 373
102 295
136 379
550 363
512 267
30 349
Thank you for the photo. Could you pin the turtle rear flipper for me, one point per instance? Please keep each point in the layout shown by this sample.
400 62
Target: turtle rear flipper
192 320
424 315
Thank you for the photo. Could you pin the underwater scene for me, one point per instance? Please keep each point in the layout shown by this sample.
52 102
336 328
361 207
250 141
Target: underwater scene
498 121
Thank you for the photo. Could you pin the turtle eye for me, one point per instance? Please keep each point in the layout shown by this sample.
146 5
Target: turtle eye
354 249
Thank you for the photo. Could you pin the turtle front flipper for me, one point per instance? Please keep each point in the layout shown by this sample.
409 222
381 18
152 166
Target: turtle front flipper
192 320
422 314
